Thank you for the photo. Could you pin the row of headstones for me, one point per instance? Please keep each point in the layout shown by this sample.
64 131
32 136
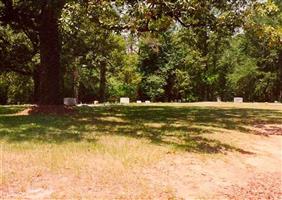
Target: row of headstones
126 100
123 100
238 100
235 99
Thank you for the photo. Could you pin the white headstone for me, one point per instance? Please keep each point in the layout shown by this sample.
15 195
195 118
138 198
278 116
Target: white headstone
124 100
96 102
138 101
147 102
218 99
70 101
238 99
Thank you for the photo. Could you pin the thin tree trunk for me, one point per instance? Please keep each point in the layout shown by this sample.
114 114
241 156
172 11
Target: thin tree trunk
204 50
75 82
51 78
36 83
280 75
102 89
169 94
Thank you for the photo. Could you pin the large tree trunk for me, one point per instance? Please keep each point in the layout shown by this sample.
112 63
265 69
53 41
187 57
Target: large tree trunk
51 78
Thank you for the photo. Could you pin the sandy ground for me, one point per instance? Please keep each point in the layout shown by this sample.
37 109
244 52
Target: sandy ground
234 176
179 175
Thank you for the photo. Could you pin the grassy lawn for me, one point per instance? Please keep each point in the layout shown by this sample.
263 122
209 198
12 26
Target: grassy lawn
109 144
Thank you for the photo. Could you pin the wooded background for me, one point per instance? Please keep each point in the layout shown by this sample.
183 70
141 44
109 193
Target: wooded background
158 50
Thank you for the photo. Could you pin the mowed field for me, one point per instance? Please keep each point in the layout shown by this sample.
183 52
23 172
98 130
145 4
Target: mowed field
155 151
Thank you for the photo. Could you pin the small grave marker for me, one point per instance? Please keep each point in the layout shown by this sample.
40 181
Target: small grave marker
124 100
70 101
138 101
238 99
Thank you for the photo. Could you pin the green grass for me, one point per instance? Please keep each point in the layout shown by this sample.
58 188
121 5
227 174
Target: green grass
181 125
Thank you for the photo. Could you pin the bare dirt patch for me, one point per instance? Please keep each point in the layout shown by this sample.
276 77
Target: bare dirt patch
176 176
94 184
256 176
261 186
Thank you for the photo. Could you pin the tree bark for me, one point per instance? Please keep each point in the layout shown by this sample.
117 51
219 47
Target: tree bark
102 86
51 79
36 84
203 45
280 75
75 82
170 82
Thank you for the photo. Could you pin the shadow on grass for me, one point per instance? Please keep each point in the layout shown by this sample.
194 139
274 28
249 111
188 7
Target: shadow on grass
180 127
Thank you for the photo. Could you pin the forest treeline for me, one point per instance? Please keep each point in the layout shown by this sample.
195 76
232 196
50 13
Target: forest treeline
153 50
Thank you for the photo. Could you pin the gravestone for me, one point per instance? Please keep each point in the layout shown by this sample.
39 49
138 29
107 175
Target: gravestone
138 101
70 101
96 102
238 99
218 99
147 102
124 100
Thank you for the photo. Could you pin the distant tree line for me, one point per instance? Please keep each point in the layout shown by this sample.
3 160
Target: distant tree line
160 50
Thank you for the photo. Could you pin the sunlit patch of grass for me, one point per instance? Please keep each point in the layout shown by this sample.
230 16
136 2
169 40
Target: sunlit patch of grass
130 151
112 155
112 119
6 110
109 160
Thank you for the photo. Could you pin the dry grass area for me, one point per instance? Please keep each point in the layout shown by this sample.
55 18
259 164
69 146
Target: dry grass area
156 151
77 170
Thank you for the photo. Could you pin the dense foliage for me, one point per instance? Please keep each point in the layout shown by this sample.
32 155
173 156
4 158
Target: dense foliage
147 50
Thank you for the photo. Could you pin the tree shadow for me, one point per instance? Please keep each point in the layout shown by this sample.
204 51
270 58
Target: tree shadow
180 127
46 128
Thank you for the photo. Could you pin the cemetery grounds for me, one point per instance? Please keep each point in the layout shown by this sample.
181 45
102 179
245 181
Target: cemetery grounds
156 151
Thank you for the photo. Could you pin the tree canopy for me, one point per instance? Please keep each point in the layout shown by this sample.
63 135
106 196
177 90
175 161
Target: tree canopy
159 50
